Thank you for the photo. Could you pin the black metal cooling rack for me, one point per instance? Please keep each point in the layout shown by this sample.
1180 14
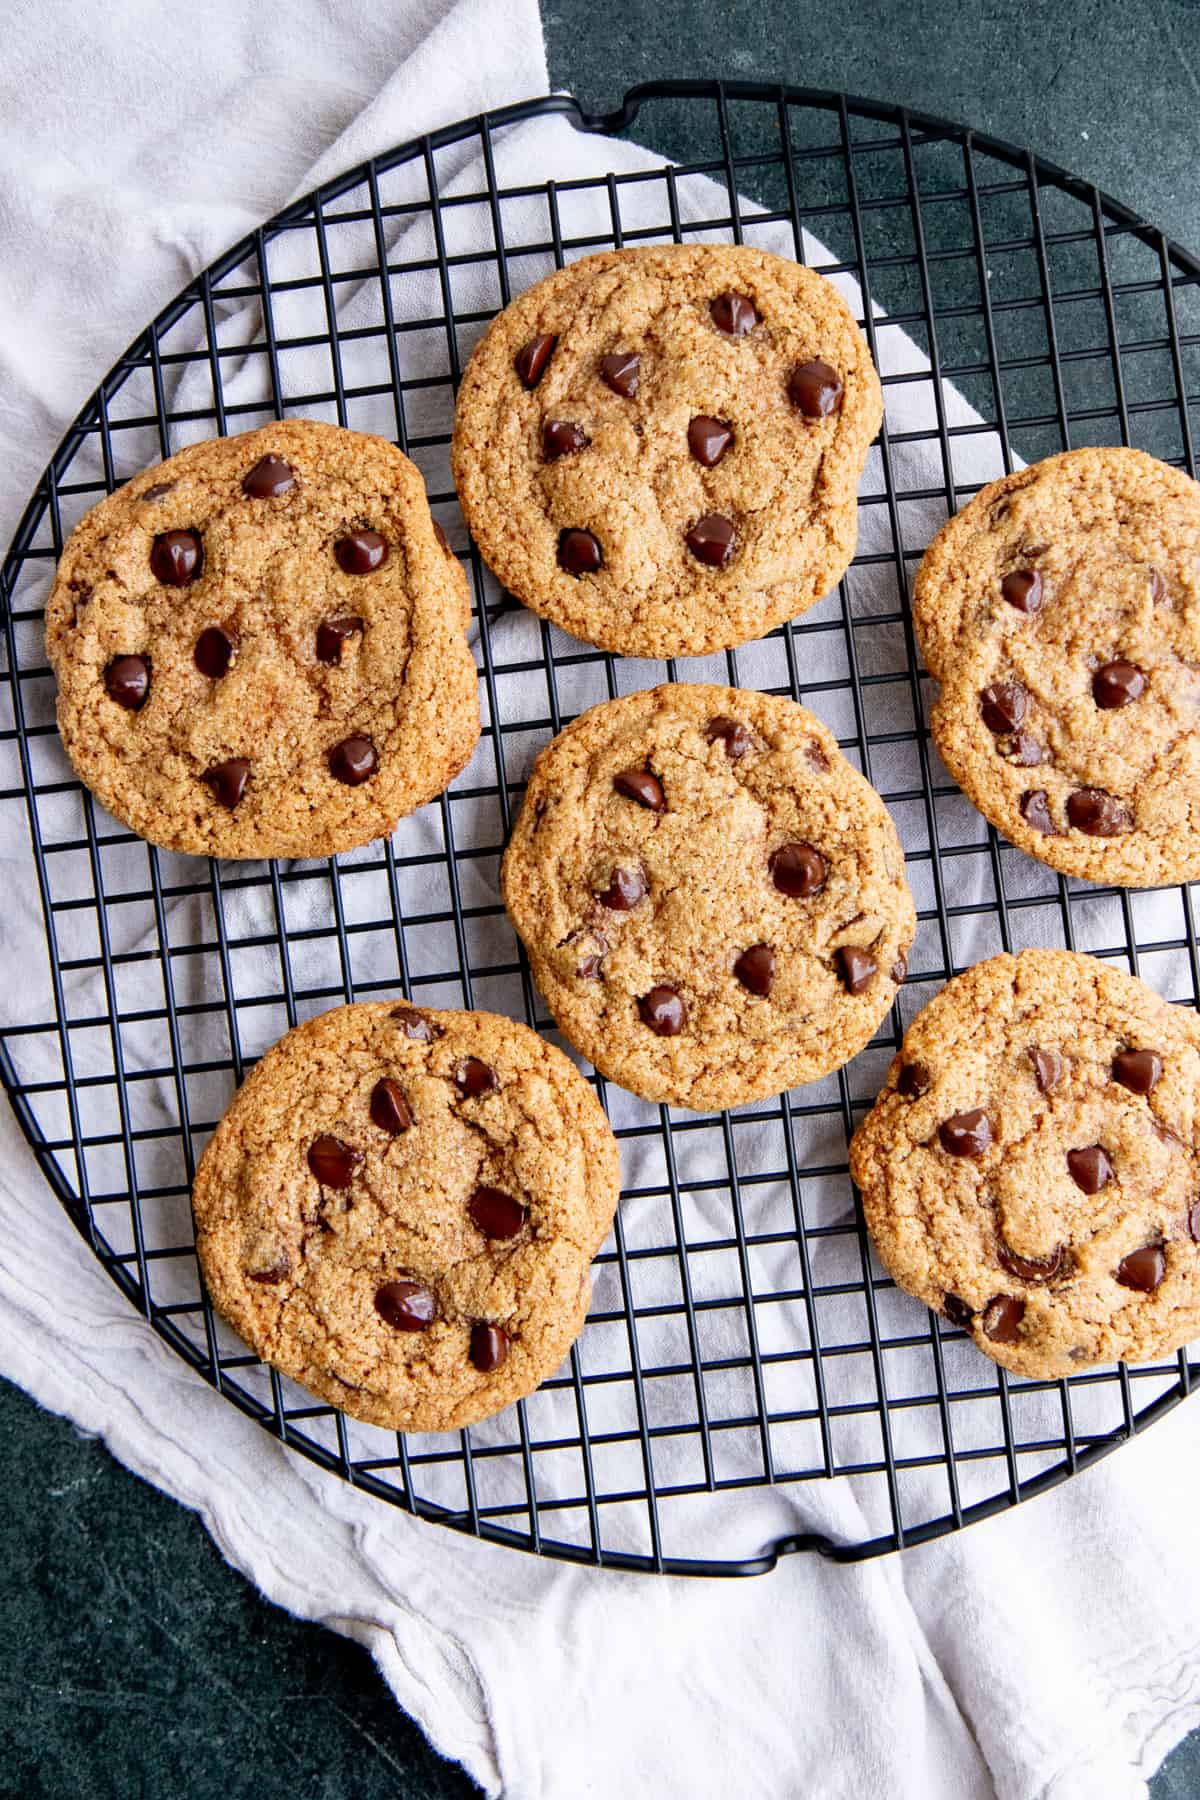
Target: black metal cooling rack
743 1346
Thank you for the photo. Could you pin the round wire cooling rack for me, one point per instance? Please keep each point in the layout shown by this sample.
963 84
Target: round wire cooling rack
743 1346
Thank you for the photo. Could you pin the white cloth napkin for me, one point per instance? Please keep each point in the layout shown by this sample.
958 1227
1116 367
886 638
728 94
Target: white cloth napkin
1050 1653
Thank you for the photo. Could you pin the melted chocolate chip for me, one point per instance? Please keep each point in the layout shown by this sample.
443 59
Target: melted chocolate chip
798 870
270 477
663 1011
389 1109
561 438
1090 1168
1003 706
857 968
214 650
709 439
361 552
440 534
590 966
177 558
1048 1068
1030 1268
159 491
1098 814
755 969
1158 587
496 1213
711 540
1137 1070
642 786
228 780
1142 1270
475 1077
274 1273
1023 589
621 370
352 761
1117 684
815 389
127 681
624 890
1001 1319
333 633
332 1162
734 736
914 1080
899 970
579 553
1026 750
531 361
406 1305
414 1025
1035 810
966 1133
489 1347
1193 1222
734 314
957 1311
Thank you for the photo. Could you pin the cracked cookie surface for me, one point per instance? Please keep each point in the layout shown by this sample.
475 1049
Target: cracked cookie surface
1060 611
712 899
400 1207
659 449
1031 1168
260 646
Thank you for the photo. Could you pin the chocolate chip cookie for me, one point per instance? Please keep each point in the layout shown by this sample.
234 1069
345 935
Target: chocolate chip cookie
260 646
400 1207
1031 1168
1060 610
658 449
712 899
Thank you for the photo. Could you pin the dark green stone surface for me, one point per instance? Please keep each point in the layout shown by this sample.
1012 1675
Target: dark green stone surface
133 1662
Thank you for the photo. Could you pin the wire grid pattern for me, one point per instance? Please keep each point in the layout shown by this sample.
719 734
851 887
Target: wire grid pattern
742 1334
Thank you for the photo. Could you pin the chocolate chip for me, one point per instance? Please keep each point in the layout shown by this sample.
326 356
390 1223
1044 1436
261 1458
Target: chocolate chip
957 1311
1003 706
274 1273
361 552
1090 1168
663 1011
333 633
1158 587
1001 1319
711 540
1097 813
228 780
531 361
642 786
270 477
1035 810
734 314
798 870
332 1162
709 439
622 370
475 1077
816 756
127 681
1026 750
579 553
1023 589
1137 1070
561 438
966 1133
352 760
914 1080
158 491
1193 1222
489 1347
177 558
1117 684
815 389
406 1305
496 1213
734 736
755 969
1142 1270
1030 1268
389 1109
440 535
626 888
214 648
1048 1068
589 968
857 967
414 1025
